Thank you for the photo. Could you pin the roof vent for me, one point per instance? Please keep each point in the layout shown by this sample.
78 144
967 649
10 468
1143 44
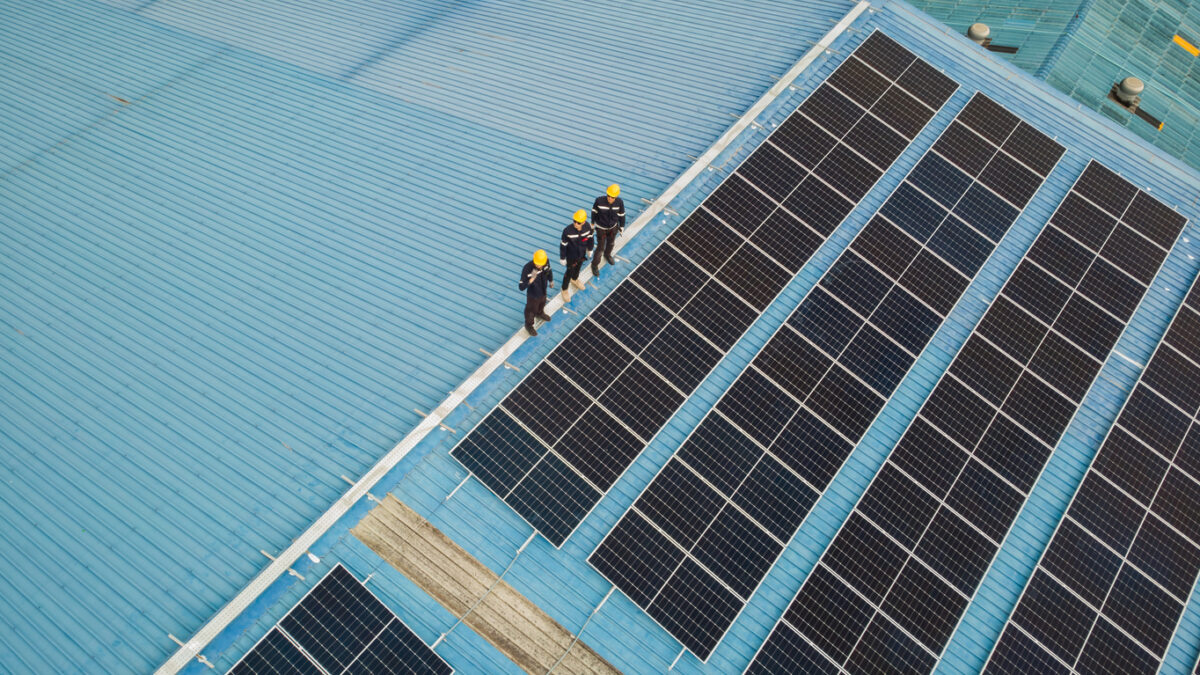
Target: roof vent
1128 94
1129 91
980 34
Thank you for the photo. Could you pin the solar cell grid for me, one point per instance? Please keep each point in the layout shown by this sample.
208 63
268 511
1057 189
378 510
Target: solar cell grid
1027 144
803 140
1123 561
999 410
961 246
811 448
1010 179
885 55
719 453
787 240
901 111
847 172
768 494
773 172
876 141
992 120
929 85
667 280
913 210
818 205
704 240
739 204
965 148
905 319
941 181
832 110
340 627
858 81
681 355
886 247
775 497
986 211
275 654
552 482
753 276
815 399
594 442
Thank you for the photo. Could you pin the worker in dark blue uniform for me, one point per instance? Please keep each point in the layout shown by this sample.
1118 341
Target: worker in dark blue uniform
535 277
608 219
573 250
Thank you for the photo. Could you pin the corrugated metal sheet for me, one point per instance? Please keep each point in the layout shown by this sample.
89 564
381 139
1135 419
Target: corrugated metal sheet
1120 38
560 580
222 295
1082 47
1034 27
240 243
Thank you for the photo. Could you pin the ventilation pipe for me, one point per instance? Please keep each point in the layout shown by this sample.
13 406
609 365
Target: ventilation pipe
1128 94
979 33
1129 91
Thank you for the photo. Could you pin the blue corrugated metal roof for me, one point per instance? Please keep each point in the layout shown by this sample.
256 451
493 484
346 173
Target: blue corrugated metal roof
239 243
1082 47
560 580
232 290
1034 27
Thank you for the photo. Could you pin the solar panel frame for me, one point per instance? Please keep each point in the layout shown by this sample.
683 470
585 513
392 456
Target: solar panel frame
970 439
243 664
277 654
855 429
737 188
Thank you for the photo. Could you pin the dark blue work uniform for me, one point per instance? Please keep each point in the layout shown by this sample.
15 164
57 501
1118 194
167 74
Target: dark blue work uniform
609 220
574 249
534 281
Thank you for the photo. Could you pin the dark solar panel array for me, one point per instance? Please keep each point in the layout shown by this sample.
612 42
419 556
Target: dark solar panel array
559 441
1112 585
709 527
339 627
891 587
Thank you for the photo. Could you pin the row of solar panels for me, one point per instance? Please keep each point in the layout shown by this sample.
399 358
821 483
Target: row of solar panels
340 628
715 519
892 586
900 573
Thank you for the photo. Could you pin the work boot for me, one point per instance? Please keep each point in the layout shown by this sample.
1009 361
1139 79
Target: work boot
578 285
566 295
544 316
609 259
531 330
596 269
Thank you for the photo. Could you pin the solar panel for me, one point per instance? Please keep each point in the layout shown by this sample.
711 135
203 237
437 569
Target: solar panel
921 537
1113 582
340 627
666 326
742 483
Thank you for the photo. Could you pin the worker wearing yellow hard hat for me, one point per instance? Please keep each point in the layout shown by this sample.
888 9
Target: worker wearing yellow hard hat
608 219
573 250
535 277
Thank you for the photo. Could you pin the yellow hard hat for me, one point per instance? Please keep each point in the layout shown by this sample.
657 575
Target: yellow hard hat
613 190
580 216
539 258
